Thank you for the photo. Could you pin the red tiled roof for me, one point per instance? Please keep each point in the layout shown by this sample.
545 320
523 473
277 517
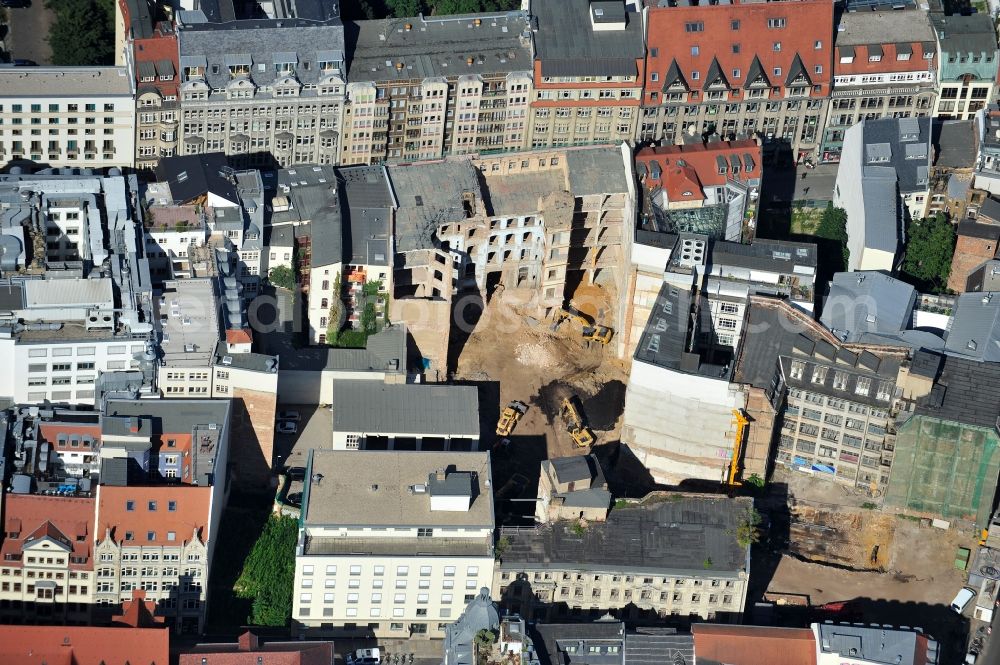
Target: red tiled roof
807 23
63 518
754 645
138 612
80 645
888 63
191 512
159 47
239 336
685 170
51 431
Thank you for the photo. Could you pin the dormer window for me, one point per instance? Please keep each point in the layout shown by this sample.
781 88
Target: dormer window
195 72
329 65
236 71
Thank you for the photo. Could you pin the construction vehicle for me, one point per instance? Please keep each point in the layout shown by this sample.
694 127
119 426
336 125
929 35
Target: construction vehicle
741 421
510 416
591 331
582 435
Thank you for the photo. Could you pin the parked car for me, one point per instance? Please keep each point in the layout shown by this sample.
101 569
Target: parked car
19 62
962 600
287 427
364 657
288 415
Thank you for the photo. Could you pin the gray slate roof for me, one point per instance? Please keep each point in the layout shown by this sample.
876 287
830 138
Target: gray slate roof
965 34
882 208
867 302
663 341
955 144
975 327
434 47
658 646
763 254
173 415
890 132
257 43
966 391
677 535
567 45
772 335
372 407
871 644
385 352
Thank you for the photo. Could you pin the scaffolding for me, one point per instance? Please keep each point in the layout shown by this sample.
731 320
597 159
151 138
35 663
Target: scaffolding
944 469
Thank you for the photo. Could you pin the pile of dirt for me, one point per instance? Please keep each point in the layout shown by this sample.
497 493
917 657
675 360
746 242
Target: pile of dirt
534 355
852 539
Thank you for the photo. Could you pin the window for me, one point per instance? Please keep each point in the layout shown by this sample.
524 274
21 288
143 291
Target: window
695 76
171 506
402 570
425 532
151 506
695 50
776 23
863 386
818 45
694 26
798 367
819 374
130 506
735 25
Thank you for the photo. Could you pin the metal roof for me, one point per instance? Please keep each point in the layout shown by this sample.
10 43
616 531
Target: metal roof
867 302
975 327
372 407
431 46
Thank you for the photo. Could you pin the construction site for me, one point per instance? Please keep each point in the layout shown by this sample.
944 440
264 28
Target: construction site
570 385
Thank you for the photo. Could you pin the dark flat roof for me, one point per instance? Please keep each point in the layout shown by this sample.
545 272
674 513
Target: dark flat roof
677 535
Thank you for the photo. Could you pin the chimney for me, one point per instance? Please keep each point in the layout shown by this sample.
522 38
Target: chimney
441 475
133 425
248 642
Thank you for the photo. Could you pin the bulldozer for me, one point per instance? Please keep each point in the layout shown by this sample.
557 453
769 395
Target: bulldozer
509 417
582 435
591 331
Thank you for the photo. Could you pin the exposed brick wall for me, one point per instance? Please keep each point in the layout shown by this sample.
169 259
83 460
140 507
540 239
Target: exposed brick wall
970 253
252 447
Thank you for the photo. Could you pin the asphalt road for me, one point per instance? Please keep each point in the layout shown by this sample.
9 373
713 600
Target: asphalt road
29 30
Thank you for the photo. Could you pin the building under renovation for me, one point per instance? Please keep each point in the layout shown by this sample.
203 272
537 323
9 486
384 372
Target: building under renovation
947 451
537 224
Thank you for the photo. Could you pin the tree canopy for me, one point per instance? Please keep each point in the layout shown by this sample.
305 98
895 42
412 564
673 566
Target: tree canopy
269 573
83 32
833 226
282 276
930 244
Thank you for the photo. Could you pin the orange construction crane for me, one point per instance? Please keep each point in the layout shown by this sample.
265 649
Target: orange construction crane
741 422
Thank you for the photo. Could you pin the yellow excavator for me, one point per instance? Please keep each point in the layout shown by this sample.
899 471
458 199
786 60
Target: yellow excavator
509 417
582 435
591 331
741 421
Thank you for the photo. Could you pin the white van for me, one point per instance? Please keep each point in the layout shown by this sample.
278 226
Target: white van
962 600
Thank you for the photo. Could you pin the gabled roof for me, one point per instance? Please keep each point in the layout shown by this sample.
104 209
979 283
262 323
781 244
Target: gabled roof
192 176
753 645
715 77
83 645
49 531
796 71
673 77
756 75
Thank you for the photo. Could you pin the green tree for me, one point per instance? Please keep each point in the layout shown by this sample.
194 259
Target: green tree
833 226
746 530
282 276
269 573
930 244
83 32
404 8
